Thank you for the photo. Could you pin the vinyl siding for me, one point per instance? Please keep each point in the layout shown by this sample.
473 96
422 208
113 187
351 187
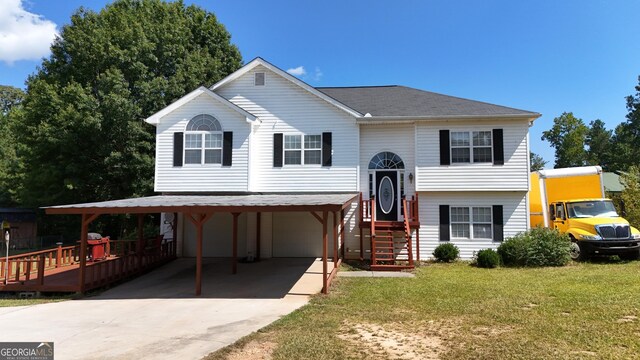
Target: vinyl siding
284 107
202 178
217 238
398 139
512 176
514 212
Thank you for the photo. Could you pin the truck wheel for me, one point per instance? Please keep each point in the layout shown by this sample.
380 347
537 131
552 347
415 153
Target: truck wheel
575 251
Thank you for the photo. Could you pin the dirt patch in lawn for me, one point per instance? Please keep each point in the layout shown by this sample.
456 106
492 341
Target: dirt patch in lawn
253 350
627 319
395 342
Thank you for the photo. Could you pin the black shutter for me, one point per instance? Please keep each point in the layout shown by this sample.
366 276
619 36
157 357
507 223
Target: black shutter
498 147
178 140
444 223
445 158
498 223
227 148
277 150
326 149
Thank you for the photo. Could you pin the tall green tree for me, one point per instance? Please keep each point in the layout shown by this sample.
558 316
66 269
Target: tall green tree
536 161
567 137
10 99
81 133
599 142
631 194
626 139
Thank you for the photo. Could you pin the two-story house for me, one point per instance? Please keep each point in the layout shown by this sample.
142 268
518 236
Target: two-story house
457 168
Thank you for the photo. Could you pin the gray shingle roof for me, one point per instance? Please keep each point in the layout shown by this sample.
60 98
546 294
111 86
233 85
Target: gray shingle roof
402 101
248 201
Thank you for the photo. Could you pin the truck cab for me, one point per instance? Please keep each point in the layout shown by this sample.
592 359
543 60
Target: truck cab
595 228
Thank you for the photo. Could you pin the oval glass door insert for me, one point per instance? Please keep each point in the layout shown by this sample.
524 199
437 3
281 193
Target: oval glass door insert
386 196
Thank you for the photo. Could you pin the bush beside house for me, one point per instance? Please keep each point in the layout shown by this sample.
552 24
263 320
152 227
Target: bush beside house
536 247
446 252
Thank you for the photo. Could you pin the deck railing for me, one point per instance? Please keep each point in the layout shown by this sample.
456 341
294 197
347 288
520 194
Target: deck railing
23 267
28 272
368 207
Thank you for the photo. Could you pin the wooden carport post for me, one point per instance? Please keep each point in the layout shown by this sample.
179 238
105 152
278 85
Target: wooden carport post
234 260
86 220
198 221
335 240
325 240
140 244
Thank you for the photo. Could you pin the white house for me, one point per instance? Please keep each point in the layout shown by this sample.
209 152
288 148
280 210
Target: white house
462 165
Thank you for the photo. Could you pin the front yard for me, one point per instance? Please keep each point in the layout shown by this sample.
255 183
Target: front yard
455 311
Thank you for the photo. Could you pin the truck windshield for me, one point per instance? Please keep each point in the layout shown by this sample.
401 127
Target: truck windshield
587 209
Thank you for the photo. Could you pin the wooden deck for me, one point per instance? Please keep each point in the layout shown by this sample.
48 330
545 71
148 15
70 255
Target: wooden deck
58 269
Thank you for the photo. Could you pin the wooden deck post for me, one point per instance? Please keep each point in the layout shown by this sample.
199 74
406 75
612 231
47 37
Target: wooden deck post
86 220
335 239
325 240
258 228
234 259
59 255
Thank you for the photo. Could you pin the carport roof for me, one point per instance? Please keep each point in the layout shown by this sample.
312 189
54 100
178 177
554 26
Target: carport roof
211 203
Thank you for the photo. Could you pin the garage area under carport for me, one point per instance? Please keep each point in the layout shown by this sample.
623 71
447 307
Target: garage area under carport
199 209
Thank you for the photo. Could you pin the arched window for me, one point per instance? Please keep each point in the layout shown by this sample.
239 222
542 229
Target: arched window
386 160
203 140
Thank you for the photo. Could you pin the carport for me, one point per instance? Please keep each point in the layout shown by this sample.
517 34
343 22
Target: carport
198 209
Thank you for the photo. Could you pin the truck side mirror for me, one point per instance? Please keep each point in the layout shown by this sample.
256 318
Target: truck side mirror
623 209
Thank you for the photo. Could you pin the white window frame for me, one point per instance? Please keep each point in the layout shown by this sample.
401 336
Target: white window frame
202 134
203 148
471 147
470 223
302 150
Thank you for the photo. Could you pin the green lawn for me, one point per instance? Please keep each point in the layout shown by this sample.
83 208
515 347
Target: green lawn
35 301
456 311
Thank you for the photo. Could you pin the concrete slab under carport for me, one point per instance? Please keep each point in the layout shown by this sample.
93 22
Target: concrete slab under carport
156 316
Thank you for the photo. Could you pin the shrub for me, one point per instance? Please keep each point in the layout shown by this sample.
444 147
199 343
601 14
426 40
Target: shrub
513 251
446 252
487 258
536 247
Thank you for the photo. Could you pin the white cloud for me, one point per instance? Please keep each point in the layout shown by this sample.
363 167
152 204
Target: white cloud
299 71
23 35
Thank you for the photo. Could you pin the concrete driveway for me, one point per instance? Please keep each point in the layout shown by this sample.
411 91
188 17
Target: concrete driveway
156 316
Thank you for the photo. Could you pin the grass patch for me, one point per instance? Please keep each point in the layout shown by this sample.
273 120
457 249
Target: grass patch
5 302
456 311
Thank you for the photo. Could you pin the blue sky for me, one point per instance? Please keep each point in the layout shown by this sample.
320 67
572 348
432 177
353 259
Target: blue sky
544 56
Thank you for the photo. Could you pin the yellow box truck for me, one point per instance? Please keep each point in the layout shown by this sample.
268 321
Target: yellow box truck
572 200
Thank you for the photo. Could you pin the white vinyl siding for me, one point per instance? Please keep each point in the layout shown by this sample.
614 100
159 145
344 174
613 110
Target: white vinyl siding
483 176
217 240
201 178
514 213
284 107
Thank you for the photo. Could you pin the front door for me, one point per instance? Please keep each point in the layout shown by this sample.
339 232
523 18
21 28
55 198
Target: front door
387 195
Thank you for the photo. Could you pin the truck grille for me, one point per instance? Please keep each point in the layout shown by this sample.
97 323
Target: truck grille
614 231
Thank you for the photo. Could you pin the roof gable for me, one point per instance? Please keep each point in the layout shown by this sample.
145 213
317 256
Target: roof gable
259 61
155 118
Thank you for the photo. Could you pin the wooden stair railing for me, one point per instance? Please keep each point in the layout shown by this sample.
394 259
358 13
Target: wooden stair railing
407 230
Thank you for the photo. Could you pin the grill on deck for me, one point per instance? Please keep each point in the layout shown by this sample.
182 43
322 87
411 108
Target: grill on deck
614 231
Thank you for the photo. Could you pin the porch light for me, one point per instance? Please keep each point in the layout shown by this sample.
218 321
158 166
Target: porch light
411 178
